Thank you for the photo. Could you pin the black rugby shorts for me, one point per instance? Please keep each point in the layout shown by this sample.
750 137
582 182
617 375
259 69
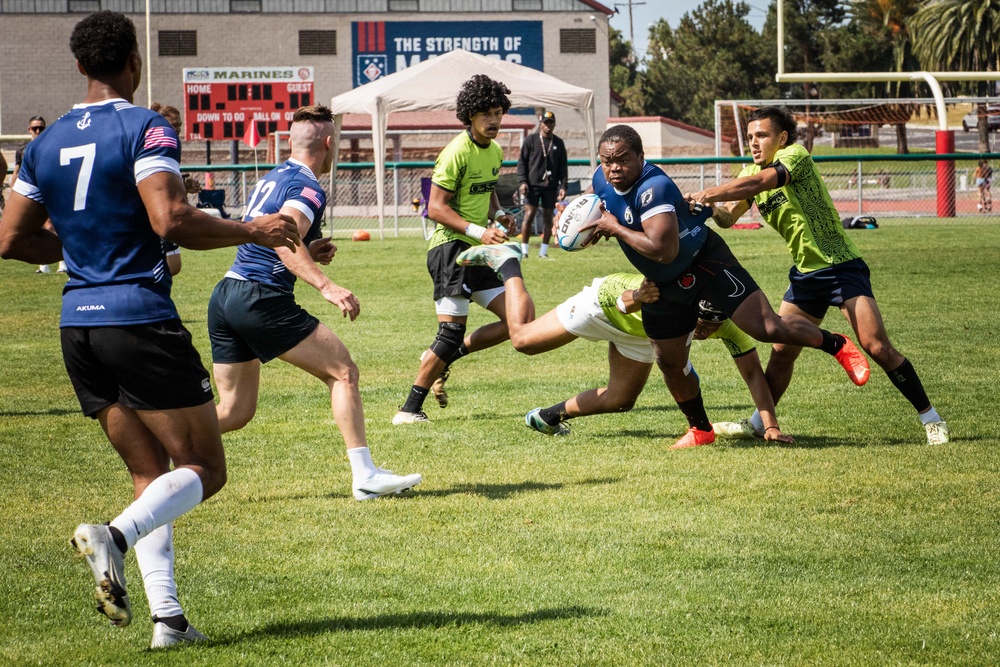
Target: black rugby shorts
143 367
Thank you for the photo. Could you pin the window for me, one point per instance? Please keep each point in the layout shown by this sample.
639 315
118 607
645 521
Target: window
317 42
404 5
578 40
84 5
244 6
178 42
527 5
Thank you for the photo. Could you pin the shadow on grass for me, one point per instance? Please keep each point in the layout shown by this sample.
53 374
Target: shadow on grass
502 491
420 619
816 442
50 412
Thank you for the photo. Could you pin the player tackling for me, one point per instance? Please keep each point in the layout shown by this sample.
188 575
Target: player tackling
672 247
828 269
610 310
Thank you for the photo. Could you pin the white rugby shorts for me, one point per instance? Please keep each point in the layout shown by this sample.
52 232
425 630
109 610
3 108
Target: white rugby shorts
582 316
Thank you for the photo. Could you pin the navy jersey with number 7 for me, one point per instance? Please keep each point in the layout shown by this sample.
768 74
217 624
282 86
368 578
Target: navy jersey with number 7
85 169
291 184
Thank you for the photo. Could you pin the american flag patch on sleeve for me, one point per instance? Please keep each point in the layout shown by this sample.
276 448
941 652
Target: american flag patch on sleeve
312 196
157 137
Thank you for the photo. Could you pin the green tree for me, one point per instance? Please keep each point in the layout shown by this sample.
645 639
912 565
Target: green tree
714 53
625 77
960 35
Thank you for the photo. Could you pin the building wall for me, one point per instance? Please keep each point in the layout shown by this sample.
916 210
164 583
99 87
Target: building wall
39 76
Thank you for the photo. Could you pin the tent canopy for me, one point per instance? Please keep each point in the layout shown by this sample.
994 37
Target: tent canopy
433 85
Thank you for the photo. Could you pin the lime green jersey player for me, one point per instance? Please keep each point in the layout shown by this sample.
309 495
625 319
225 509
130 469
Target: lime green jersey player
462 202
469 171
803 213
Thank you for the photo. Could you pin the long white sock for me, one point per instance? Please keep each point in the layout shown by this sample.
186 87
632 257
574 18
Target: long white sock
543 250
524 250
155 554
168 497
361 463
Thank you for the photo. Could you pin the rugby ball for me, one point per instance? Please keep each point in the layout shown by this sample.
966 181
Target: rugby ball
361 235
580 212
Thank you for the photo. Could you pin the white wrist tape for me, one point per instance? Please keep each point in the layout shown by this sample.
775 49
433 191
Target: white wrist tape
475 231
621 304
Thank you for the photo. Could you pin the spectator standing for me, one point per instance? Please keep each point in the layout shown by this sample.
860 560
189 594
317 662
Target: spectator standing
542 171
36 125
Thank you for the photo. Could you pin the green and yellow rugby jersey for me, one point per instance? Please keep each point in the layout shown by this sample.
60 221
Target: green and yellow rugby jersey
470 171
803 213
607 297
737 341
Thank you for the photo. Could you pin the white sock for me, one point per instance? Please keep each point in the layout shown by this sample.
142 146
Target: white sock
155 555
168 497
757 422
361 463
543 250
930 416
62 266
524 249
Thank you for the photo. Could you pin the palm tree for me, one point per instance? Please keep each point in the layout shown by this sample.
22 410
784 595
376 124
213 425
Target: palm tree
960 35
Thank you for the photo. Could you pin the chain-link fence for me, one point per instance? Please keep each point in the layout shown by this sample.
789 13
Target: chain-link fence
878 185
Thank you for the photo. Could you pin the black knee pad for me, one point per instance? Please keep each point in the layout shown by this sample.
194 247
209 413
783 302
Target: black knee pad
449 338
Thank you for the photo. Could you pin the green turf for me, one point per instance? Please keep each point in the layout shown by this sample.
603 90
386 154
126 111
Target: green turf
857 545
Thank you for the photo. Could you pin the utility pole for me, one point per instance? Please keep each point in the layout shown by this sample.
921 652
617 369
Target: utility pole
631 23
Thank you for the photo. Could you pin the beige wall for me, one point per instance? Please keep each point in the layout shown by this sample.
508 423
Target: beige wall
38 73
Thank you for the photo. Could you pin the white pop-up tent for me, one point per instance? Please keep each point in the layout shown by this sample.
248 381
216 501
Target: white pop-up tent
434 84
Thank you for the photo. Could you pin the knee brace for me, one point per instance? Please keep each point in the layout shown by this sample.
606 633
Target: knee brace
449 338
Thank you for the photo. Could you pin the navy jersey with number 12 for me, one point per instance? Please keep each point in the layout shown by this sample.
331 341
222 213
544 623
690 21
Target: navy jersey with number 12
652 194
294 185
85 170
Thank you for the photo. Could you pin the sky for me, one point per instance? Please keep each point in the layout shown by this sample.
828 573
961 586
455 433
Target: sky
649 13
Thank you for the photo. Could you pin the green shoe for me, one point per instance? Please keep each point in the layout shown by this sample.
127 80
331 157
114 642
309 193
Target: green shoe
534 421
492 256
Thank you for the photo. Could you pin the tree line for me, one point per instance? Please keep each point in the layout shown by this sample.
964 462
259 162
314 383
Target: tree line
714 53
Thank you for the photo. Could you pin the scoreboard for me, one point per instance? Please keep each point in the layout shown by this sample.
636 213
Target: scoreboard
220 102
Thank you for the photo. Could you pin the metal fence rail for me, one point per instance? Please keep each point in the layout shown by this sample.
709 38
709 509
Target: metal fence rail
879 185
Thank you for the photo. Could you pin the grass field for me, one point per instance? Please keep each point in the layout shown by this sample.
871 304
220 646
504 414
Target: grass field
857 545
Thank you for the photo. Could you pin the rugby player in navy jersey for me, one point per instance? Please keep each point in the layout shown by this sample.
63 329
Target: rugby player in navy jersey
671 246
253 317
107 175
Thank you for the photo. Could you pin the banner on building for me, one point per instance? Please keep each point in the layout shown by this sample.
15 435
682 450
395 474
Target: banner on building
386 47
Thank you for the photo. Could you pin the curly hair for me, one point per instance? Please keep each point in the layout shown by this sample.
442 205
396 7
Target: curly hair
316 113
780 118
171 113
103 42
622 134
479 94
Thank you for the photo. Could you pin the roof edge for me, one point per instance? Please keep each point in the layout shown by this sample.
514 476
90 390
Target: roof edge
596 6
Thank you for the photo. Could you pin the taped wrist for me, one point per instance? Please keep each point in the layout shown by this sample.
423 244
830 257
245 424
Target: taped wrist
448 340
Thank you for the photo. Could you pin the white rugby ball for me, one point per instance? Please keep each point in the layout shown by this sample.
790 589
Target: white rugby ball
580 212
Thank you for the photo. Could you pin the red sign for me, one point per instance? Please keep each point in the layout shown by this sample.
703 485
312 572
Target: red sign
221 102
